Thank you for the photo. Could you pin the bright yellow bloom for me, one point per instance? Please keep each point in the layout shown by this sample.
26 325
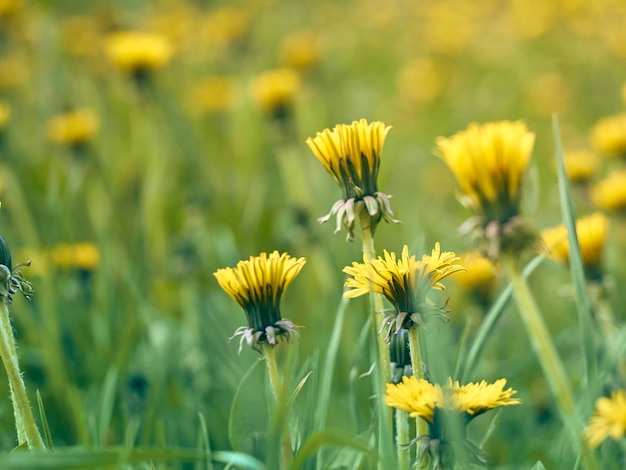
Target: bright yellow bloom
609 135
580 165
405 282
489 161
608 420
275 90
135 52
257 285
351 154
477 398
610 193
591 231
73 128
420 398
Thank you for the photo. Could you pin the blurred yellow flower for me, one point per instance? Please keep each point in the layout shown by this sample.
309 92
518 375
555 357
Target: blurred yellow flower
608 420
223 26
581 165
275 90
73 128
10 7
351 154
548 94
609 135
81 34
13 71
83 256
591 232
300 50
136 52
489 161
420 398
610 193
405 282
5 113
213 94
257 285
421 79
479 274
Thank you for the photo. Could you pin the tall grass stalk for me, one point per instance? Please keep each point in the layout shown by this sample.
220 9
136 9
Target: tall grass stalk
27 430
549 359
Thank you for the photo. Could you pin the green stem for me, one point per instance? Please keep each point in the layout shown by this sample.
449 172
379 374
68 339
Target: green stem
418 372
277 390
384 361
550 362
24 421
402 439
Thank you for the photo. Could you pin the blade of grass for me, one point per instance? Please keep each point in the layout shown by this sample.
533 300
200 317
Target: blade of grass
576 270
328 438
204 434
44 422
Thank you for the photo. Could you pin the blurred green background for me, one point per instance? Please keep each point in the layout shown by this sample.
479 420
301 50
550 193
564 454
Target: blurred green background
193 165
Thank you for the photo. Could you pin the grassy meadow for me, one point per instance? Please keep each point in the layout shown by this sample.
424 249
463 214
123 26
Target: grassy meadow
187 153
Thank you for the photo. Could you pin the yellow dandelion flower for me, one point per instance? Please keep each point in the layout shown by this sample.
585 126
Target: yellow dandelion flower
608 420
418 397
609 135
480 273
610 193
422 399
275 90
591 232
84 256
580 165
489 161
73 128
405 282
213 94
5 113
257 285
477 398
138 52
351 154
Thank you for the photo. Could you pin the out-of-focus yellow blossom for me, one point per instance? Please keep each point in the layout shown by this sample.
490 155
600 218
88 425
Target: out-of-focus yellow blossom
5 113
178 24
223 26
479 274
608 420
13 71
610 193
9 8
489 161
549 94
609 135
421 79
529 19
213 94
581 165
591 231
73 128
83 256
136 52
300 50
612 33
449 26
275 90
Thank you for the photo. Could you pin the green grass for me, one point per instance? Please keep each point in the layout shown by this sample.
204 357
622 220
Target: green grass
131 360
